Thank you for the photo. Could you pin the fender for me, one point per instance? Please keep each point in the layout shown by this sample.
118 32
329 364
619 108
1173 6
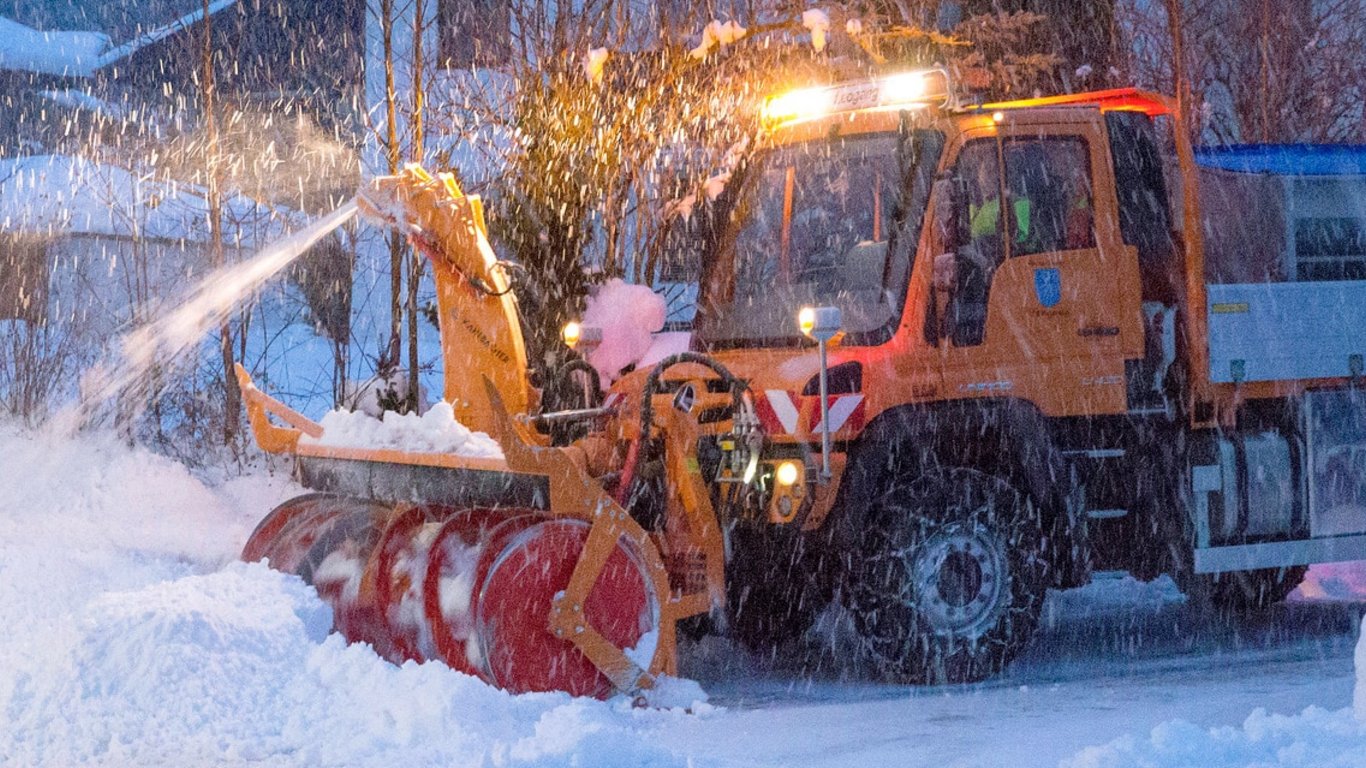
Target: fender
1006 437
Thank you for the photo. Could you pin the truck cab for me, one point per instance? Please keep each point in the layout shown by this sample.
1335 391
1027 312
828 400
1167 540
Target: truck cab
1020 391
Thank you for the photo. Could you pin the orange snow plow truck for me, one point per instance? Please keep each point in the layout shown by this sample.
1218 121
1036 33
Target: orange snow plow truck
945 357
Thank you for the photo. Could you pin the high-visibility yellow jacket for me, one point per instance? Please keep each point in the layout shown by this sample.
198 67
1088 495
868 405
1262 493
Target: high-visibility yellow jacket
983 218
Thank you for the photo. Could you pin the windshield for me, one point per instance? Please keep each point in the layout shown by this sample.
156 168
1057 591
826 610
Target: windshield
822 223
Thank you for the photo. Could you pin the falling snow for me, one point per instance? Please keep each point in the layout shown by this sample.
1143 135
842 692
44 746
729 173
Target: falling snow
178 196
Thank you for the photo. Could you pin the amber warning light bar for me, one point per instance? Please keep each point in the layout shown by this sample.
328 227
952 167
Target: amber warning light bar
903 90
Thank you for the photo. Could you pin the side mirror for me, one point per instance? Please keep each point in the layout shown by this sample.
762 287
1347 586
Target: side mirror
945 277
949 196
948 200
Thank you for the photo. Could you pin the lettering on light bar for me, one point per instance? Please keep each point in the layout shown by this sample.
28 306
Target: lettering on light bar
904 89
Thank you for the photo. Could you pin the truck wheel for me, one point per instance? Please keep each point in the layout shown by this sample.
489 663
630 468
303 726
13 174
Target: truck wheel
949 577
1242 591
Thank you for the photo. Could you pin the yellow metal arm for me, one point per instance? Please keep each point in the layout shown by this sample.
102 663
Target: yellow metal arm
481 335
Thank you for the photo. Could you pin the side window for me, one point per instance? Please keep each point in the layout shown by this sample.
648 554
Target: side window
979 172
1048 184
982 249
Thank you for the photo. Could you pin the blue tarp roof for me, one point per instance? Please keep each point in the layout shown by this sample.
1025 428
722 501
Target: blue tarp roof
1286 159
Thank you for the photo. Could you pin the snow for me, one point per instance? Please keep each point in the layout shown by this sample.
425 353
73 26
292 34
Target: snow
628 315
61 194
176 331
1315 738
368 396
678 693
80 53
78 99
715 185
435 431
718 34
644 650
818 22
133 638
49 52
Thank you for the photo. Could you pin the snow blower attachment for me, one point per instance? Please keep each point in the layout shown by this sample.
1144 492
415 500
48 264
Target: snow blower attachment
522 568
929 421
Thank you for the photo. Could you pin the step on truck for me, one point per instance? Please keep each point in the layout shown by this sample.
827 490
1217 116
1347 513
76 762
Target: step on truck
945 357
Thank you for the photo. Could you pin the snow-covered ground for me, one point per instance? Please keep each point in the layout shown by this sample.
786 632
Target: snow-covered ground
132 637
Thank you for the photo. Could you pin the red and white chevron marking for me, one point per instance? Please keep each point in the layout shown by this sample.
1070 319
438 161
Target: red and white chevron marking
845 411
777 412
780 411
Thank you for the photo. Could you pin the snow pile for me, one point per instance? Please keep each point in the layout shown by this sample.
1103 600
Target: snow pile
370 395
59 493
1315 737
237 667
125 643
628 315
1312 739
52 53
435 431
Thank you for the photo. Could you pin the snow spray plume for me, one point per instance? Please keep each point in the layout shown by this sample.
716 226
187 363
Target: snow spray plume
161 341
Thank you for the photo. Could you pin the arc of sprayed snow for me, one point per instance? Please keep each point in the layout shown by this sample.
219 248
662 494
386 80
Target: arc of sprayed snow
165 339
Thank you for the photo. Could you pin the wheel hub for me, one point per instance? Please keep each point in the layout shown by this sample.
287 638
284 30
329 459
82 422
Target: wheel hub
962 581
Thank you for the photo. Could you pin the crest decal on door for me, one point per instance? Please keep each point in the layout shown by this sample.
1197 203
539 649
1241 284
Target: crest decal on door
1048 286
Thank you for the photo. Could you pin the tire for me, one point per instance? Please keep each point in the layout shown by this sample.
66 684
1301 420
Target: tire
1245 591
948 577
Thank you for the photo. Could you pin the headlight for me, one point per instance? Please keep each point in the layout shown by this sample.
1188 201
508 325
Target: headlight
584 338
572 333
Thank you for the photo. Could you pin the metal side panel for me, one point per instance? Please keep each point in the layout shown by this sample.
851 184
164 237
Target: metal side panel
1278 554
449 486
1335 426
1286 331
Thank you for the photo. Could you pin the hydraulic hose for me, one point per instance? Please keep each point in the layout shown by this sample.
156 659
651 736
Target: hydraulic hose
628 471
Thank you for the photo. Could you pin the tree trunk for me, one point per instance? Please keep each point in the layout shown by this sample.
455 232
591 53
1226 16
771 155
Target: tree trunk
214 197
415 259
393 356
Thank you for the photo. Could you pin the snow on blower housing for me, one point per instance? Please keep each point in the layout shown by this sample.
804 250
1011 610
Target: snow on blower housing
945 358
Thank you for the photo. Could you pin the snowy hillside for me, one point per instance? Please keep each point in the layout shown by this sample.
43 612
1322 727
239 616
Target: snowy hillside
134 638
60 194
